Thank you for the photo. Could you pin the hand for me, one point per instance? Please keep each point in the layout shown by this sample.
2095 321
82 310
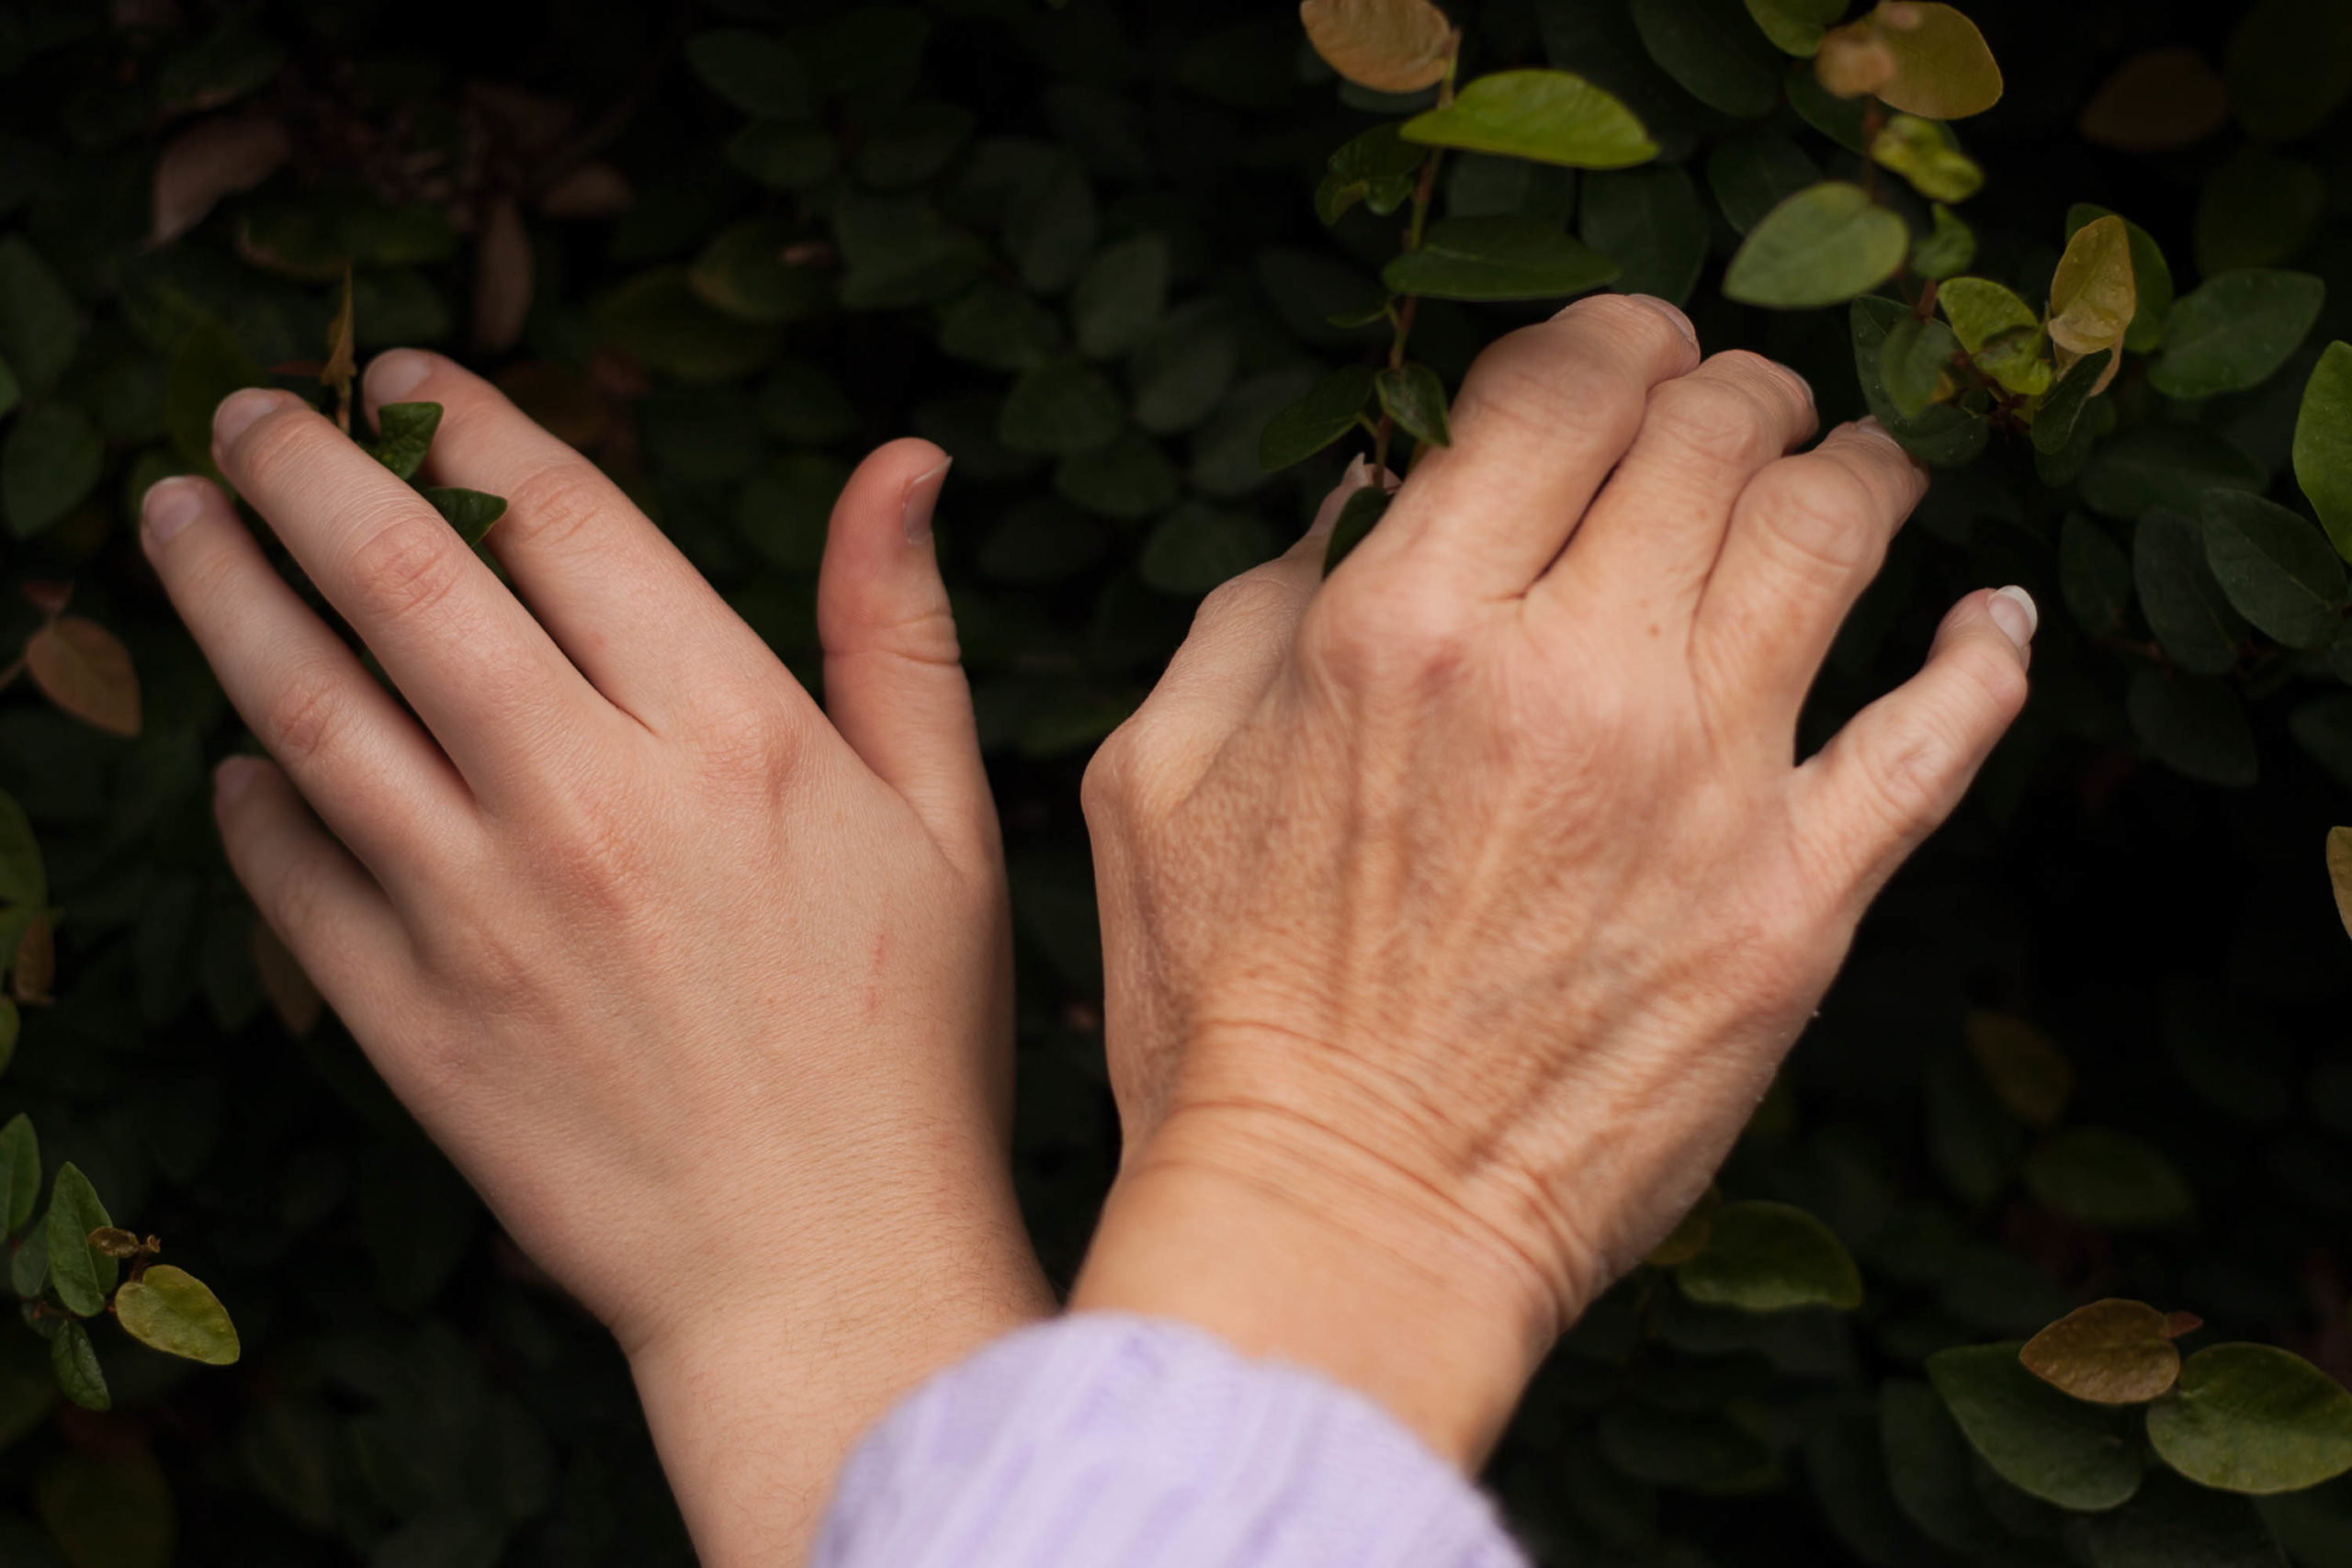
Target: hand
1458 910
709 998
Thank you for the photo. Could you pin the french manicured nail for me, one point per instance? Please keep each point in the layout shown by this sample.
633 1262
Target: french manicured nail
233 778
1675 318
395 373
238 410
2014 613
170 506
921 501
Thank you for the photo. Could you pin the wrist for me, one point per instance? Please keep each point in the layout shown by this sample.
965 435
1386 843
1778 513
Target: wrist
1328 1258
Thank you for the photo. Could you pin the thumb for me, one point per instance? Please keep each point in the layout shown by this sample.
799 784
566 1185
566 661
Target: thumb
1900 766
894 681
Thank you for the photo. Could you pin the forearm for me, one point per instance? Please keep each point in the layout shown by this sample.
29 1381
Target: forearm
753 1406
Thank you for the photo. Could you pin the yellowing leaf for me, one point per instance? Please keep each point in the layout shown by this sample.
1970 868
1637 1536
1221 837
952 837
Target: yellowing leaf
1390 46
1550 116
2157 101
2000 331
2111 1352
1922 152
170 1309
343 359
2092 296
81 667
1921 57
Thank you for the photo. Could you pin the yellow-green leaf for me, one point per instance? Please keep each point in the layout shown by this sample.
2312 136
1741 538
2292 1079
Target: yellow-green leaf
1924 152
1796 27
1549 117
2254 1418
2092 296
1770 1258
170 1309
1390 46
2111 1352
2028 1071
2000 331
2324 445
1921 57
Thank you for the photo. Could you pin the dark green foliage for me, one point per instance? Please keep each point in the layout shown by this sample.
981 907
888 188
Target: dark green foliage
1112 256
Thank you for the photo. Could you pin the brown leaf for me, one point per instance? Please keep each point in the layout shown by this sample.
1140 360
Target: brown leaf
594 189
47 596
1851 61
2339 872
115 1242
501 277
211 159
2111 1352
1390 46
35 969
81 667
291 995
2157 101
343 359
2180 1323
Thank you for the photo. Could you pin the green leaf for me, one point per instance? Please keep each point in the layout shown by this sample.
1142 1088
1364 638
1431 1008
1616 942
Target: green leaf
1550 116
1715 50
209 365
1377 168
1756 171
1821 246
469 512
1950 248
2254 1418
2257 208
1496 258
1058 409
1415 399
1927 154
1651 223
1129 477
2185 606
1003 328
1327 413
1183 368
1050 225
1120 296
1840 119
2290 66
2000 331
912 145
1198 545
743 273
784 157
40 324
1911 363
2094 574
229 60
1359 514
403 434
2278 571
28 1265
658 318
49 464
1705 1452
2174 1525
2151 277
12 391
784 509
2235 330
2198 728
1764 1257
2061 409
24 878
2023 1066
1944 435
2107 1179
82 1275
75 1361
752 72
2111 1352
2078 1456
170 1309
1795 26
2169 466
1927 1464
20 1173
2324 444
112 1512
898 251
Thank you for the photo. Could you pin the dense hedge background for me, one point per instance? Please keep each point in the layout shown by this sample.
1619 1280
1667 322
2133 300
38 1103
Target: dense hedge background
726 280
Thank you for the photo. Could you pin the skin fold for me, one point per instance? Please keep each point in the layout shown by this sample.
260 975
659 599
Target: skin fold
1456 910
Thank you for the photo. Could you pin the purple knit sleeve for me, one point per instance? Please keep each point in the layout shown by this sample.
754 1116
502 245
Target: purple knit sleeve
1100 1439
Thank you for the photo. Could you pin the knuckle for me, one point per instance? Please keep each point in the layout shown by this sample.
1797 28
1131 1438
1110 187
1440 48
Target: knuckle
744 739
1254 595
1819 523
553 507
1716 417
1386 631
407 568
304 716
272 448
1645 328
1527 382
1107 790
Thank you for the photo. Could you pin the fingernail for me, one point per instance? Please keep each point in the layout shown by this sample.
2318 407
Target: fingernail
2014 613
921 501
233 778
1680 322
238 410
169 506
395 373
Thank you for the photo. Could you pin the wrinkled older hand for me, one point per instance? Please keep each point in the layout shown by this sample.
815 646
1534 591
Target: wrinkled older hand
1458 910
708 995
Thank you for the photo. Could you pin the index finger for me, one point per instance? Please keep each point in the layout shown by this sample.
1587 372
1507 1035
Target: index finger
468 658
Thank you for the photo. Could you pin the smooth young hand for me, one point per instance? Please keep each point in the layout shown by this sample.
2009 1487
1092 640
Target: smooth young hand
708 996
1458 910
